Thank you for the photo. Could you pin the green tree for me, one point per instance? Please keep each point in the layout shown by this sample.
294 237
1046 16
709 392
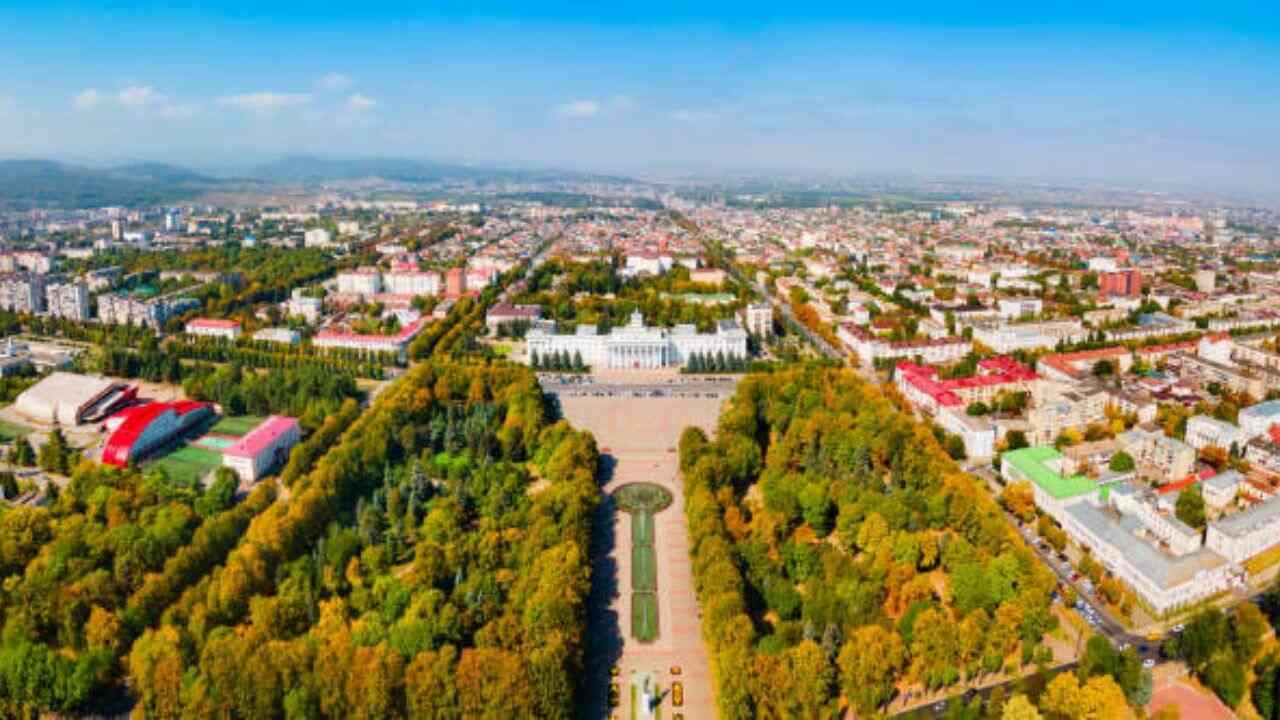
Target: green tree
54 453
1190 507
1122 462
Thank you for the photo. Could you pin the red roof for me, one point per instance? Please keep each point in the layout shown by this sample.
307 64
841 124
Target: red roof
1179 485
213 323
998 371
261 437
405 335
137 419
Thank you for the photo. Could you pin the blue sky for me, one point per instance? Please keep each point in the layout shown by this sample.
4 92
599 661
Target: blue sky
1129 92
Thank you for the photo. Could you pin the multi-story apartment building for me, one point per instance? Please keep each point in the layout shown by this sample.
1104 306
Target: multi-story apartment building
68 300
22 292
757 318
214 327
1121 283
412 282
1257 420
1073 367
870 347
1205 430
922 387
307 308
122 310
1157 456
1244 534
363 281
1050 417
317 238
1006 338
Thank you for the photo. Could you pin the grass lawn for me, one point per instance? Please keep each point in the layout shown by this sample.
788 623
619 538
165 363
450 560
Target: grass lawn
644 568
237 425
10 431
642 528
189 463
644 616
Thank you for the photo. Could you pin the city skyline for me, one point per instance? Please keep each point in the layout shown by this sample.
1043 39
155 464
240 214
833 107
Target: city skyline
1004 92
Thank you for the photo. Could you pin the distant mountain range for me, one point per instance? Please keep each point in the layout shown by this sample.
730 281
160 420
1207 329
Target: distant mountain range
311 169
26 184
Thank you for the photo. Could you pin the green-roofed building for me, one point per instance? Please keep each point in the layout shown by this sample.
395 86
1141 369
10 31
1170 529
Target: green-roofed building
1042 466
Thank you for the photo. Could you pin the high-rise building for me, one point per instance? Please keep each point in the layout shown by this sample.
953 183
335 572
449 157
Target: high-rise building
68 300
1121 283
455 282
22 292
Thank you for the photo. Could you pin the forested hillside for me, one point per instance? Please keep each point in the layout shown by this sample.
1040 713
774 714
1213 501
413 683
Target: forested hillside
840 554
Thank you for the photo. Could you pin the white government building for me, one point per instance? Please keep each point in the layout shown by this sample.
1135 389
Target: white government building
637 346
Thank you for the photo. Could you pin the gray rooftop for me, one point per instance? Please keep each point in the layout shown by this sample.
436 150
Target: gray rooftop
1161 569
1264 514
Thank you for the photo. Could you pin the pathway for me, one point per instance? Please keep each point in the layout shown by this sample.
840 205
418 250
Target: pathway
637 438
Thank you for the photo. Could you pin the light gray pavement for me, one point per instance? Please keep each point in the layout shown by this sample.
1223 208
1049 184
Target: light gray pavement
637 437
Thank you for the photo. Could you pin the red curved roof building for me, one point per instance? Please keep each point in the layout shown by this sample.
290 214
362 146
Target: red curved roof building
142 428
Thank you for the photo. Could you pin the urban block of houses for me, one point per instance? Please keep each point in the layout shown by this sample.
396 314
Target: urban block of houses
1157 556
870 347
920 384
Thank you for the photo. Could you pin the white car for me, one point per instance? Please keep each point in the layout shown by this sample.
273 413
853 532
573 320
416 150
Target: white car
1149 663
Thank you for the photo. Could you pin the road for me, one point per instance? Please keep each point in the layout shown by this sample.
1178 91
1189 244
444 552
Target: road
1104 622
637 437
824 347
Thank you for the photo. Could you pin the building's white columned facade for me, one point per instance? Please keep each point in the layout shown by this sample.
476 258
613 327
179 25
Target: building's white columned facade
637 347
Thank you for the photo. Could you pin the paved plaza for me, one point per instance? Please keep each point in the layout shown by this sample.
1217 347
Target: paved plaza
637 437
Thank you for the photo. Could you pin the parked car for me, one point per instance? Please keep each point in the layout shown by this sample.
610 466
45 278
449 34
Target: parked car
677 693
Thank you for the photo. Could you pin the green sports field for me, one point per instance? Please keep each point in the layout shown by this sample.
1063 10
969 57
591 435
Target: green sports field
237 426
189 464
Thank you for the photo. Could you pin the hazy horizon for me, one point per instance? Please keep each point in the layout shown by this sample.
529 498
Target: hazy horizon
1145 95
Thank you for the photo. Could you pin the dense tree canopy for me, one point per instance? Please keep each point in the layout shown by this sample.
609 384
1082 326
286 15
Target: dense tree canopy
838 551
433 561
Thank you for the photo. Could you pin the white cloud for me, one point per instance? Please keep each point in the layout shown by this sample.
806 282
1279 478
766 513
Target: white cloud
86 99
580 109
178 111
138 96
360 103
335 81
264 102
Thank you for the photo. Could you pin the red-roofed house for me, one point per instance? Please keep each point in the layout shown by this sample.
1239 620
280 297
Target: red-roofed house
262 448
213 327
